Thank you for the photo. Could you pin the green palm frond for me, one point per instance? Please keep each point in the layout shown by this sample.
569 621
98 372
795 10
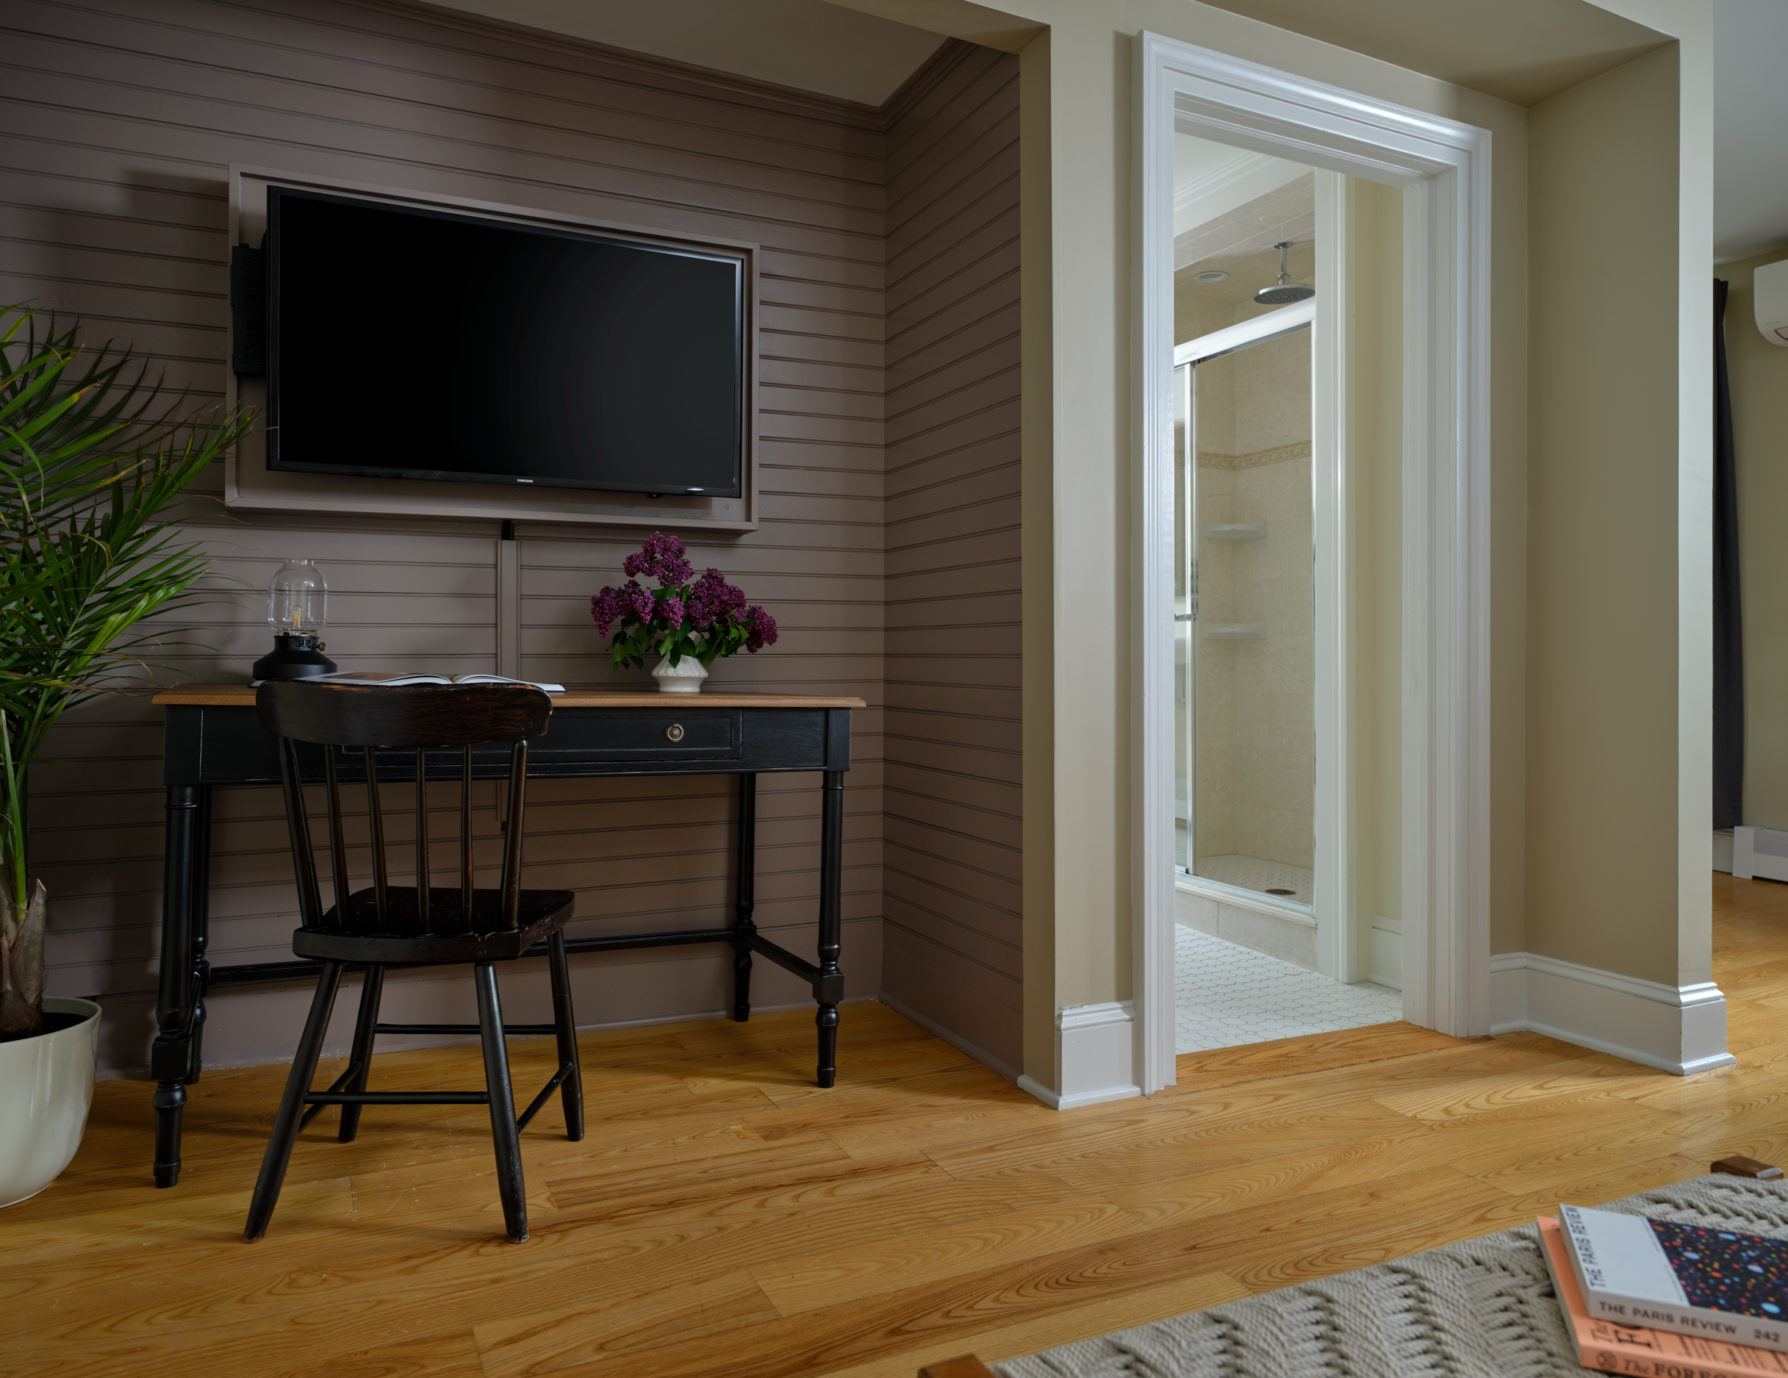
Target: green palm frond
92 454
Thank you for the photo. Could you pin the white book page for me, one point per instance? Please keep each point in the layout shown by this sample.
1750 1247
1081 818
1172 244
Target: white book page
1620 1256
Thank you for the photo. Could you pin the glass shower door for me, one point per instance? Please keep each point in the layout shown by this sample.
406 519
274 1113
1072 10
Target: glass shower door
1245 618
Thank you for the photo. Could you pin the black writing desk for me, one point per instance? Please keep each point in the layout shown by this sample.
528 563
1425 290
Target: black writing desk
214 737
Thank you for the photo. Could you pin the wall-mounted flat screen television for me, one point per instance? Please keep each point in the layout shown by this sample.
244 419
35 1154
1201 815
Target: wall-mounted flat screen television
414 343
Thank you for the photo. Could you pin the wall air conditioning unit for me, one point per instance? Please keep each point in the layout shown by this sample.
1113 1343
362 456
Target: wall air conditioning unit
1759 852
1770 295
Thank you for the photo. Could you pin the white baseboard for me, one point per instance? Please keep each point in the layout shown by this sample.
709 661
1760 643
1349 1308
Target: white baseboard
950 1036
1759 853
1722 850
1679 1029
1097 1046
1385 965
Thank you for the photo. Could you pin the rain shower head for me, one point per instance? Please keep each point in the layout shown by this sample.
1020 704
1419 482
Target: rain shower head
1284 290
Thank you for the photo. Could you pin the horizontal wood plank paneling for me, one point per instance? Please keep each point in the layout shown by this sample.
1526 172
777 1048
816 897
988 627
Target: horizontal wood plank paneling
118 123
888 471
951 876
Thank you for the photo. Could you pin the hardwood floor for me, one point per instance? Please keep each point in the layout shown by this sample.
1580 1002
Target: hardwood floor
724 1216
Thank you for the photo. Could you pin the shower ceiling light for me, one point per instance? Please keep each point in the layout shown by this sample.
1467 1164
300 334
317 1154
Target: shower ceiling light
1210 275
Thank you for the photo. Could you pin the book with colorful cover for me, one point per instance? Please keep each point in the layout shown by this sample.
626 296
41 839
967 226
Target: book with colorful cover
1642 1353
1691 1279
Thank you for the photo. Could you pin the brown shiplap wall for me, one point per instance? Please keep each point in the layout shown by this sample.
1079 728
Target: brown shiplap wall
118 123
951 877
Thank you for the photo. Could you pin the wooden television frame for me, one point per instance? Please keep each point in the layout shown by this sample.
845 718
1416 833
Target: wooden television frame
249 484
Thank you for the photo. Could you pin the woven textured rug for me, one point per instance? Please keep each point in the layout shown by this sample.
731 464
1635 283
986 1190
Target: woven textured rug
1481 1309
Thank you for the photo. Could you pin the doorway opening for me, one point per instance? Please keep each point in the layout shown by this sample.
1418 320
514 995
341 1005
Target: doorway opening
1262 951
1434 858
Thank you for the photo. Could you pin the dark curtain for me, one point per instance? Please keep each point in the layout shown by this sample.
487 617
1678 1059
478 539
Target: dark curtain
1728 631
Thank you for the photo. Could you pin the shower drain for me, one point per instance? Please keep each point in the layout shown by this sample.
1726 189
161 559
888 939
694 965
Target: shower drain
1279 890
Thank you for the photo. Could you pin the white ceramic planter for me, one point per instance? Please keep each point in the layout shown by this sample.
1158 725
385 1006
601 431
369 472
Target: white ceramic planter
685 677
46 1086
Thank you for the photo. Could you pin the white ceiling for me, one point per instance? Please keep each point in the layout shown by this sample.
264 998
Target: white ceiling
807 44
1526 50
1750 126
1520 50
814 45
1211 179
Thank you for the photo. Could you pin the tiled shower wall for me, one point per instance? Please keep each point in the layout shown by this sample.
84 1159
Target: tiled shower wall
1255 751
118 126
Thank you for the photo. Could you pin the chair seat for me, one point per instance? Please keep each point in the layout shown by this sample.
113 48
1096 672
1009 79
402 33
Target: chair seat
449 937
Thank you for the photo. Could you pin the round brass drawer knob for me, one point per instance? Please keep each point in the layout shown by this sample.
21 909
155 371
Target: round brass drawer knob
674 733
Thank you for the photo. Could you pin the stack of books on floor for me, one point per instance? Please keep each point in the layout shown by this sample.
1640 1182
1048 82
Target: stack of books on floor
1659 1299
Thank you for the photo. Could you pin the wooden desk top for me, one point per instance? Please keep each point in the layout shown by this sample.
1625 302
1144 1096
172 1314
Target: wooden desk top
241 696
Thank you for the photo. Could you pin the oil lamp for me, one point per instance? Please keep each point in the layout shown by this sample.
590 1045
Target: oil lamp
297 607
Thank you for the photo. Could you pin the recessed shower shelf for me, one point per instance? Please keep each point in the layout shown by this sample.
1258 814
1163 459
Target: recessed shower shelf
1233 531
1233 631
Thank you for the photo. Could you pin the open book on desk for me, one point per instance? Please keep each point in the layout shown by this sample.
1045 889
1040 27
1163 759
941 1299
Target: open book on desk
393 681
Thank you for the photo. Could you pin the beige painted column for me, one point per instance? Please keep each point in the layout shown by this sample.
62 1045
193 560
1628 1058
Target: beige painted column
1759 372
1619 607
1037 602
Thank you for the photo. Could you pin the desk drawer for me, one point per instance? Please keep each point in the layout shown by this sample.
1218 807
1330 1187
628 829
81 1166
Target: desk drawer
667 735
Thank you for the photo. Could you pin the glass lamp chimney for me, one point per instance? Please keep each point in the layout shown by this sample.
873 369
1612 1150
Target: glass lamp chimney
297 608
297 599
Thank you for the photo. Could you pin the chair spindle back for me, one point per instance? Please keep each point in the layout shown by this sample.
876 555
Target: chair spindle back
420 718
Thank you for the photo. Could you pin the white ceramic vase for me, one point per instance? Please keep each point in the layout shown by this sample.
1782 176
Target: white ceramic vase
46 1087
685 677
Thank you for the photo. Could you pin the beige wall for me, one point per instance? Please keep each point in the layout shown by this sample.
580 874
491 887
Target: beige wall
1691 23
1612 484
1037 513
1759 375
952 941
1083 443
1078 441
116 208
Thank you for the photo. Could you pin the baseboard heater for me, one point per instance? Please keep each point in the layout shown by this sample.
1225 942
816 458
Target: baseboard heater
1760 853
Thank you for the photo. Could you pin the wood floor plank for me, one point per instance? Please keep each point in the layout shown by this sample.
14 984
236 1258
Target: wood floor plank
584 1326
1064 1324
1341 1234
1145 1147
1570 1077
1203 1071
724 1216
850 1274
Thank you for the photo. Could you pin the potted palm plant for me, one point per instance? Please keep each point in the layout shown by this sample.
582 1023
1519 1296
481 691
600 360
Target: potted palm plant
92 453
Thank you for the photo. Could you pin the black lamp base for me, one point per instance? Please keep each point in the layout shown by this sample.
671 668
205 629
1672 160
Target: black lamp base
295 655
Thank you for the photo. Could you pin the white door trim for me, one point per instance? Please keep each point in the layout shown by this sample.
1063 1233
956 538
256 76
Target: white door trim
1332 526
1445 166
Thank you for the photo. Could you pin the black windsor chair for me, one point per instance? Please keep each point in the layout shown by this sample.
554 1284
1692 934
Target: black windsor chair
414 925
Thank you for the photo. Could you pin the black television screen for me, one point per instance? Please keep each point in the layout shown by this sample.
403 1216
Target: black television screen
415 343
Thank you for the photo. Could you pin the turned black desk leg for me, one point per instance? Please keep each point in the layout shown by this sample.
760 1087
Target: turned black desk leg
744 901
201 928
829 987
171 1056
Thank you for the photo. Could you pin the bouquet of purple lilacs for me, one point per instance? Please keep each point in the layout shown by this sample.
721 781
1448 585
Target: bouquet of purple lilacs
703 618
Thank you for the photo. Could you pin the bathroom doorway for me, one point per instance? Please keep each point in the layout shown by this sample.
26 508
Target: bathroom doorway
1262 949
1413 700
